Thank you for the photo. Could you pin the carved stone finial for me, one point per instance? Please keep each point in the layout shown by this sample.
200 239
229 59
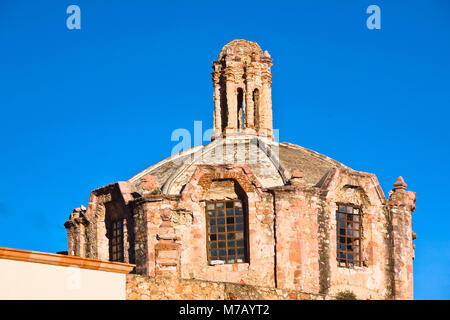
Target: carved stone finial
77 217
400 184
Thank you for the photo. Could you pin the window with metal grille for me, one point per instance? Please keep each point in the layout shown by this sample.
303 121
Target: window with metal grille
348 234
227 236
116 241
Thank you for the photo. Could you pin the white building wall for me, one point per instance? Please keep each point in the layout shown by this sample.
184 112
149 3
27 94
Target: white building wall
29 281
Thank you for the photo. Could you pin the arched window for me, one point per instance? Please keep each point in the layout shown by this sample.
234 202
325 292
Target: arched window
116 241
115 231
240 108
256 107
348 235
227 232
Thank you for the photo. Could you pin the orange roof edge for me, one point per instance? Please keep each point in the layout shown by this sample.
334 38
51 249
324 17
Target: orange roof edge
64 260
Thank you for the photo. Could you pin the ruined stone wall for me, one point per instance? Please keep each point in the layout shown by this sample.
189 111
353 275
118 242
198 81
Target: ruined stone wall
86 227
166 288
291 223
371 280
171 231
308 214
192 237
151 233
291 233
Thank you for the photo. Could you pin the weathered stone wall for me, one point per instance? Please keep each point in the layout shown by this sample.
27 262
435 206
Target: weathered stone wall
169 288
371 280
297 244
86 227
291 232
194 262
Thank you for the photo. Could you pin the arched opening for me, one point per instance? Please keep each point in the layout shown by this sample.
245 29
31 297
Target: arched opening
240 109
223 103
256 107
227 223
348 235
117 233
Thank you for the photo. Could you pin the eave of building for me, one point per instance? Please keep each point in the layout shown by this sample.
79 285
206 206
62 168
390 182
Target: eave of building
64 260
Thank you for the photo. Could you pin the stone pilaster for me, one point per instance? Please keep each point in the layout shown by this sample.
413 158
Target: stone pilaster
217 107
250 105
401 205
167 251
265 112
231 101
141 250
76 233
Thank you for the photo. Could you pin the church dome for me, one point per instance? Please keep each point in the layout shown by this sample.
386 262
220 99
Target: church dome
273 163
249 210
243 130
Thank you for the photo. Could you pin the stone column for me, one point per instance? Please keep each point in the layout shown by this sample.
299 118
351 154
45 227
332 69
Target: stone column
231 101
101 242
69 225
76 233
145 230
250 106
126 241
401 205
217 108
81 226
140 238
265 106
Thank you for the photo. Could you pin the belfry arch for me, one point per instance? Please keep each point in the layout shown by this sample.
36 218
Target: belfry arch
240 109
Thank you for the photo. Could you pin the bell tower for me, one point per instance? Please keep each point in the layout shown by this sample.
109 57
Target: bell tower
242 90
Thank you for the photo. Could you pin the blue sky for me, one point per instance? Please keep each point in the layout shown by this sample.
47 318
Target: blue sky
84 108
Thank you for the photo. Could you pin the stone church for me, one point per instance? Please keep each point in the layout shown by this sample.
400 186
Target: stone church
247 217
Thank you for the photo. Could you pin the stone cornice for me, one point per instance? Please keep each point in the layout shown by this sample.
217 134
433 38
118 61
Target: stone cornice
154 198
